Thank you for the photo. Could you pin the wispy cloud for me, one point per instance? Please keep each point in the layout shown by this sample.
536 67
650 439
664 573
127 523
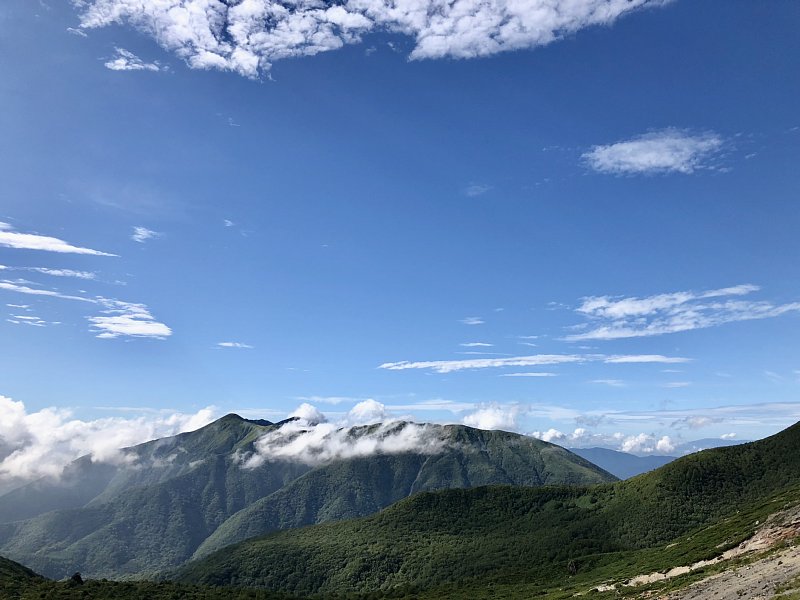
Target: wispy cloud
117 319
246 37
32 241
142 234
235 345
472 321
646 358
611 382
54 272
476 345
476 189
621 317
530 374
24 289
666 151
127 319
125 60
449 366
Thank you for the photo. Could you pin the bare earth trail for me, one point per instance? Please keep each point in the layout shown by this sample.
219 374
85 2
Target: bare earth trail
755 581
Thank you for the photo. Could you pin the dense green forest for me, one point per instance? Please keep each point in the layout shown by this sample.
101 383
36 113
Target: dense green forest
438 543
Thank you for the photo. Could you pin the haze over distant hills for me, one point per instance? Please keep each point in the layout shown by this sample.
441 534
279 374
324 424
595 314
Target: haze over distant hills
170 499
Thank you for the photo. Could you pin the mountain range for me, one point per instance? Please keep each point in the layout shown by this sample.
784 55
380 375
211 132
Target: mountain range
170 500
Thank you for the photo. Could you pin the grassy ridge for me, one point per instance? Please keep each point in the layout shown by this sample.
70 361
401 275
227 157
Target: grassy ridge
490 536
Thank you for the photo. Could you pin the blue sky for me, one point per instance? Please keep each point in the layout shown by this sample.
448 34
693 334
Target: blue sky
600 207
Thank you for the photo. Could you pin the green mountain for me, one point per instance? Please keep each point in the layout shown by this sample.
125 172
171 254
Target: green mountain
362 486
190 494
503 541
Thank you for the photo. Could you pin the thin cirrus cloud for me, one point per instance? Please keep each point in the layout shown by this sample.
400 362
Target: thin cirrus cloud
239 345
53 272
666 151
116 319
125 60
32 241
142 234
247 37
619 317
472 321
449 366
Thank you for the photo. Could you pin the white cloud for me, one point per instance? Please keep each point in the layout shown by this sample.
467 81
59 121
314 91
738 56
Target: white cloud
118 319
476 345
234 345
529 374
125 60
677 384
476 189
127 319
54 272
646 358
647 444
309 414
554 436
32 241
448 366
247 36
667 151
620 317
313 441
228 223
727 436
366 412
494 416
23 289
610 382
39 444
472 321
142 234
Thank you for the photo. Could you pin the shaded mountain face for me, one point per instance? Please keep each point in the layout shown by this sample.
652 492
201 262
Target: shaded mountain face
187 495
461 541
622 464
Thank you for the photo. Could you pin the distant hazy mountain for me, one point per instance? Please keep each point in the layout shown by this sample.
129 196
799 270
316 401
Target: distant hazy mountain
192 493
622 464
705 444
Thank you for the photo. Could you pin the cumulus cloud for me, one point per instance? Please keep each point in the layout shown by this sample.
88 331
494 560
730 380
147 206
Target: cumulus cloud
494 416
620 317
667 151
248 36
33 241
554 436
127 319
142 234
39 444
125 60
647 444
